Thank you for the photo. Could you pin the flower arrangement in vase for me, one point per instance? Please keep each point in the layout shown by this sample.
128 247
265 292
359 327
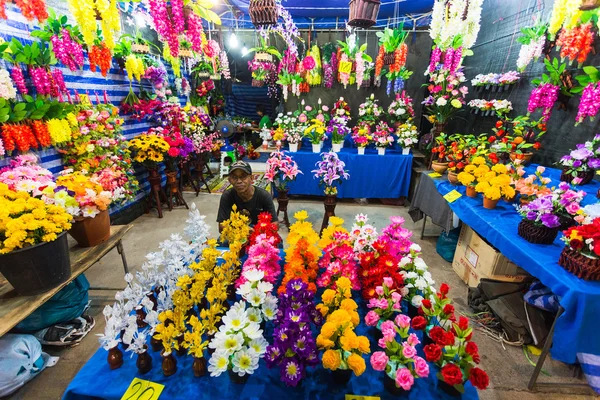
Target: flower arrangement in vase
382 137
370 111
495 184
302 254
399 359
343 349
149 150
281 170
362 235
568 205
581 254
256 292
294 348
239 345
472 172
337 130
340 108
90 196
263 254
439 161
580 165
330 172
316 134
337 261
401 109
418 282
362 136
456 356
462 148
386 303
532 186
293 132
540 222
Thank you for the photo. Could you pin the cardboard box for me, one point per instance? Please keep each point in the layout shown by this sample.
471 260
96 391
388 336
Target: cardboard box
475 259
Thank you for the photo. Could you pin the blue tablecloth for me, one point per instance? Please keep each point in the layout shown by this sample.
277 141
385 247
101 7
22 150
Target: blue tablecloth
577 329
371 175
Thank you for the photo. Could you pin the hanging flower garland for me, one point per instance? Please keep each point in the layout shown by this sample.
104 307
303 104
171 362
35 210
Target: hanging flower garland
224 61
17 76
100 56
590 102
110 22
360 69
29 8
85 13
163 25
67 50
564 12
544 97
576 43
452 19
533 42
194 32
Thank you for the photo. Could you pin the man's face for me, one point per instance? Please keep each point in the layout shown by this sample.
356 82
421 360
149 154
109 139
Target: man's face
240 181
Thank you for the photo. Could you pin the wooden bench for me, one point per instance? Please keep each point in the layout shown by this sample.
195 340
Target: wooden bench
15 308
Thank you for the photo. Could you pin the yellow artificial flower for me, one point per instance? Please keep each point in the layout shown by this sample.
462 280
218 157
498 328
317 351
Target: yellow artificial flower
332 359
357 364
344 283
301 215
364 346
328 296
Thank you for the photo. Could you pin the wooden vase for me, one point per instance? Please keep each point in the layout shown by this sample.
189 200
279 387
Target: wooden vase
115 357
169 364
199 367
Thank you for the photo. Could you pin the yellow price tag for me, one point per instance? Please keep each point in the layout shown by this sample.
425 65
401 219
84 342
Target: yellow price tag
85 99
140 389
345 67
452 196
357 397
435 175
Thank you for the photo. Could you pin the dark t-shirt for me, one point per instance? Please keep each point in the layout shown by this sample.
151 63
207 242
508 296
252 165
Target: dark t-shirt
260 202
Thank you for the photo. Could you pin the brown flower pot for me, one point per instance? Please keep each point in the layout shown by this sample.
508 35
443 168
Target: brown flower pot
585 176
144 362
439 167
579 264
363 13
235 378
388 58
156 344
115 358
536 234
181 350
90 232
169 364
525 157
471 192
489 203
511 199
453 177
199 367
587 5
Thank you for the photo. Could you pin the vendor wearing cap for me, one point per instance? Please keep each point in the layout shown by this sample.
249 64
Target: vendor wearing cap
249 199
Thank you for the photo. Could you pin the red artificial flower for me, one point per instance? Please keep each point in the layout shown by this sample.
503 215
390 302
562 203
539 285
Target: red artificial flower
433 352
451 164
460 165
472 350
437 335
492 139
426 303
452 374
418 323
500 132
448 309
449 338
463 323
479 378
537 145
576 244
499 124
444 288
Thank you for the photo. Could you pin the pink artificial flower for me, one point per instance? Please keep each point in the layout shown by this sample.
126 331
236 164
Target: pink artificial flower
421 367
379 360
408 351
403 321
302 118
540 169
572 208
396 297
521 171
382 343
379 290
404 379
388 329
325 108
382 303
387 281
413 340
371 318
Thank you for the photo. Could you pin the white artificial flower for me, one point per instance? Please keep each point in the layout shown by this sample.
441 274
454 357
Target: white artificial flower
235 319
441 102
253 330
404 291
233 343
415 247
238 306
417 301
420 264
269 311
255 297
404 261
259 346
244 288
421 283
411 275
265 287
218 363
254 315
244 362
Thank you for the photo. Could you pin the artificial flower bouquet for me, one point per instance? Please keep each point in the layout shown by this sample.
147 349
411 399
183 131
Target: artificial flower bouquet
266 134
281 170
289 123
386 304
491 107
456 356
395 238
263 255
447 92
265 229
492 79
540 221
472 173
494 185
294 348
399 359
204 141
316 132
370 111
532 186
239 344
401 109
338 261
408 135
376 265
568 205
338 129
328 235
580 165
438 311
361 134
462 148
522 135
581 254
26 221
340 109
439 150
256 292
418 282
149 150
90 196
382 135
362 235
236 228
339 295
532 42
330 172
179 146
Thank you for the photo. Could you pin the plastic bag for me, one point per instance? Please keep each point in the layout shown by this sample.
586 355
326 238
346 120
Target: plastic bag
446 244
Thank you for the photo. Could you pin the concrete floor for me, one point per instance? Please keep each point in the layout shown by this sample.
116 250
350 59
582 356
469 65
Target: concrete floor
508 368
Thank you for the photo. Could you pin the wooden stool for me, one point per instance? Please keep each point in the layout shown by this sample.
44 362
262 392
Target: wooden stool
174 192
157 194
282 206
185 176
330 203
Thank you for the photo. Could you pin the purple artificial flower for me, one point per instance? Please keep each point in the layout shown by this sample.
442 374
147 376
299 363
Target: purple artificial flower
564 186
577 163
550 220
594 163
291 371
582 153
532 215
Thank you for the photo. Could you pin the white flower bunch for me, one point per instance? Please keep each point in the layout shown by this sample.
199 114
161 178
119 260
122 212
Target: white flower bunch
530 52
266 134
408 135
239 344
450 19
257 293
418 282
362 235
7 89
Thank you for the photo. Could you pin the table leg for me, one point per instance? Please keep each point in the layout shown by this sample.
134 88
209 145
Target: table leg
122 253
423 228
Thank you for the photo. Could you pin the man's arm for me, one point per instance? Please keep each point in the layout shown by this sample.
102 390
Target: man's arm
225 206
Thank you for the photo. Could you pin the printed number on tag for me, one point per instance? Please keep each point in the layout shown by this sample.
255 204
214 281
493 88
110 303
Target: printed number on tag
140 389
452 196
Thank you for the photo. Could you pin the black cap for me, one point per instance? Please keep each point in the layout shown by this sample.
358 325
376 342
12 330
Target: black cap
242 166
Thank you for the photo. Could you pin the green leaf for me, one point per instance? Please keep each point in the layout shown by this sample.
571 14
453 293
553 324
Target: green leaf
588 69
4 118
19 107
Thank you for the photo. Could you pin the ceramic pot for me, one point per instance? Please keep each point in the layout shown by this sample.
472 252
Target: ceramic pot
336 147
489 203
585 176
144 362
341 376
156 344
235 378
169 364
453 177
316 148
89 232
439 167
265 144
115 358
471 192
381 151
199 367
525 157
182 350
361 150
293 147
140 316
405 151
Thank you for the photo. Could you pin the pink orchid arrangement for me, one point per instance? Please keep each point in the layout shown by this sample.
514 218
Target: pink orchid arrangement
330 172
41 81
386 303
590 102
337 261
194 32
281 170
309 63
544 97
17 76
396 238
452 59
263 256
67 51
59 81
399 359
163 25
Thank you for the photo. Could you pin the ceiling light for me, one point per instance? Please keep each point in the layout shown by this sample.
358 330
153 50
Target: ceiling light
244 50
233 40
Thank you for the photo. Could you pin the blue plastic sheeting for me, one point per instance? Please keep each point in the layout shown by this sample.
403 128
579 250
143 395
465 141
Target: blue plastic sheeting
579 298
371 176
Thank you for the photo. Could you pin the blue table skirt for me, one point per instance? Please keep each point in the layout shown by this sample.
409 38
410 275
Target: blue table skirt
577 329
371 175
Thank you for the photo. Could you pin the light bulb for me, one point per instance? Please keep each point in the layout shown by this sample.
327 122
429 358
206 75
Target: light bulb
233 40
244 51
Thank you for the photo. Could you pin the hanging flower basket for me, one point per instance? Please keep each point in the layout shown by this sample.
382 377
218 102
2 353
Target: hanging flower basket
258 83
388 58
261 56
263 12
363 13
185 53
587 5
536 234
580 265
585 176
